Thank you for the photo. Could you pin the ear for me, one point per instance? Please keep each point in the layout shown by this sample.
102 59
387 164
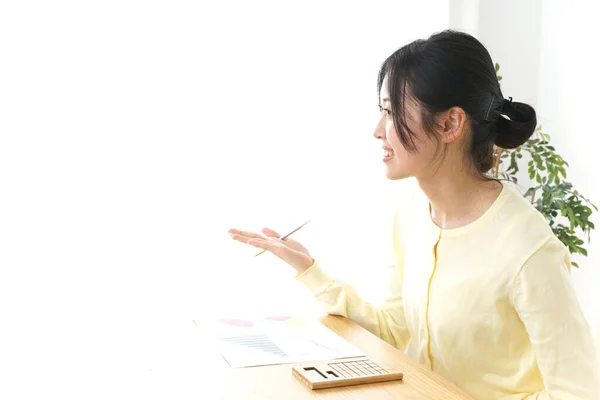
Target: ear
454 123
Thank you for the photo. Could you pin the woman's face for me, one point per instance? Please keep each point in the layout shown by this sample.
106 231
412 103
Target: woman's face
399 162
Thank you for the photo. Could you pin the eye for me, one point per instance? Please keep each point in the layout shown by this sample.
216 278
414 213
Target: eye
387 111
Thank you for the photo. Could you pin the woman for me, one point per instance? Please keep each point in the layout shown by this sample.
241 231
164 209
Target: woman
482 293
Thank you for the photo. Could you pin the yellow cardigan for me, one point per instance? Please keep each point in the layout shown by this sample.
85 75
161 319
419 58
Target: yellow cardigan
489 306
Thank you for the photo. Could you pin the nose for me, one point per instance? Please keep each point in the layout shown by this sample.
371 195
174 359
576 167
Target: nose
379 132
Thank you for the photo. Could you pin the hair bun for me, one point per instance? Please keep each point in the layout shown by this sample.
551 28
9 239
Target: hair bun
516 124
507 103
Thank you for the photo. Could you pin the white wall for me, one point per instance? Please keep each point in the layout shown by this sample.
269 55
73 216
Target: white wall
464 16
546 50
511 31
568 103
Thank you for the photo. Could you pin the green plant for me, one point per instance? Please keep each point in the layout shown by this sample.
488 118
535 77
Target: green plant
567 211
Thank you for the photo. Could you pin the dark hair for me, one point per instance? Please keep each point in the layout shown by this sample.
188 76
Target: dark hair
453 69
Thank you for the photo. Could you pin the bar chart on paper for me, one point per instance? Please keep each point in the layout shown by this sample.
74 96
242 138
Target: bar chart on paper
278 340
260 345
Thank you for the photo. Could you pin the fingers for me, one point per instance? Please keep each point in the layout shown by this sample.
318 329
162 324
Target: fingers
242 238
265 244
245 234
271 233
267 231
270 244
258 241
261 244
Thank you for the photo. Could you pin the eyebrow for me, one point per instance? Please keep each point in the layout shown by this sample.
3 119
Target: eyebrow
386 99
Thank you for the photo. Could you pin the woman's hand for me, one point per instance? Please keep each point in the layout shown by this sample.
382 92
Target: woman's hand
288 250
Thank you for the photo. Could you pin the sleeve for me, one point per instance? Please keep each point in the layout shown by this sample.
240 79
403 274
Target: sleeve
560 335
386 320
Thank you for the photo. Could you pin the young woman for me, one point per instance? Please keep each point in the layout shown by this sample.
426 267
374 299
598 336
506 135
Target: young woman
482 293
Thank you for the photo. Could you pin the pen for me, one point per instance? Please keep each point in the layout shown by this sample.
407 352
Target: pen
285 237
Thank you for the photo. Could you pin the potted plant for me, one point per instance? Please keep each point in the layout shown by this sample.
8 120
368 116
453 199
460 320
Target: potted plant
567 211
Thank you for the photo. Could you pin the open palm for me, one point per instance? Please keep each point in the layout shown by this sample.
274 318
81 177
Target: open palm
289 250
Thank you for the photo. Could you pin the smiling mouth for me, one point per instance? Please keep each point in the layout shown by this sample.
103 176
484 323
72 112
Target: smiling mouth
387 153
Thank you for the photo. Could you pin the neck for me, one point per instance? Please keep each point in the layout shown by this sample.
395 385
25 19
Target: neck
457 196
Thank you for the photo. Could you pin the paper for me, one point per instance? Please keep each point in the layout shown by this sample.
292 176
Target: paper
278 340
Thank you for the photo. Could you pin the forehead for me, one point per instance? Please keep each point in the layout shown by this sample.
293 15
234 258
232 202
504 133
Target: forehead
384 94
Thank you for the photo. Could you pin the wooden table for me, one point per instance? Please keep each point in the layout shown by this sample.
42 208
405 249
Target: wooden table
277 382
